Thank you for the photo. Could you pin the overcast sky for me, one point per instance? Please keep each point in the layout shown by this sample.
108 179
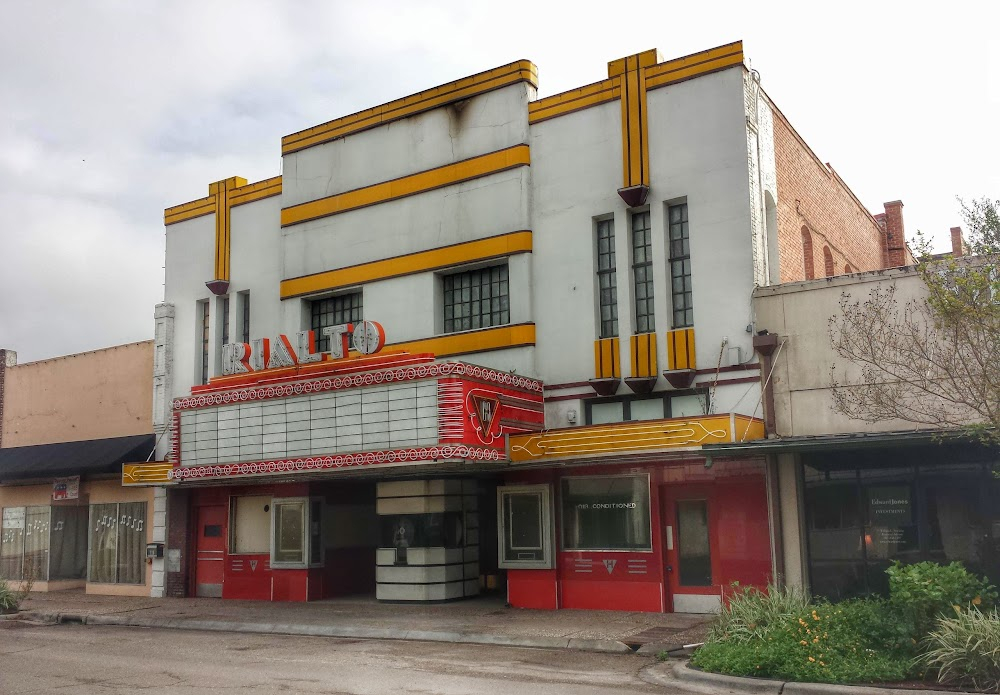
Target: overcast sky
112 111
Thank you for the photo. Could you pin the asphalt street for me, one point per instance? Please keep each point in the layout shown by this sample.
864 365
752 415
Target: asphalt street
109 659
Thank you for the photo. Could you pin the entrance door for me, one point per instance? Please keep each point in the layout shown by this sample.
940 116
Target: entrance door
211 551
687 545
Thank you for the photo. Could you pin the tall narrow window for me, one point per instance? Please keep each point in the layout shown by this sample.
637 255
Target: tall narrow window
476 299
225 320
334 311
642 272
807 254
607 278
680 266
828 262
204 341
245 333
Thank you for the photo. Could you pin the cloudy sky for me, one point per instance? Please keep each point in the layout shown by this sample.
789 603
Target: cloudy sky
112 111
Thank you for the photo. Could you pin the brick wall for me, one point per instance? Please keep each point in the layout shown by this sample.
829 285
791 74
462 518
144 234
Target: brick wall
812 196
178 538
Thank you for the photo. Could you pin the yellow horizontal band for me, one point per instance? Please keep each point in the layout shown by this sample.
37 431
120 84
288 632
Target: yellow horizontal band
238 195
446 175
694 65
255 191
567 102
472 341
419 262
520 71
187 211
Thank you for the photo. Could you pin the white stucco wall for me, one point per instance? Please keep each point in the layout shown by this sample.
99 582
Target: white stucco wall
799 313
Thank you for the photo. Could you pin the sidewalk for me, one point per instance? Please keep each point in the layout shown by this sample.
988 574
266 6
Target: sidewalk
483 620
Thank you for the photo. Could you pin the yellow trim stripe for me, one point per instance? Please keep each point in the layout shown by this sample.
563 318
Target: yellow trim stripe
680 349
642 348
694 65
642 60
512 73
419 262
446 175
239 194
188 211
255 191
472 341
568 102
655 75
606 359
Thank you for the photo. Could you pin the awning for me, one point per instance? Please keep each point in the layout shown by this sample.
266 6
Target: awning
842 442
86 458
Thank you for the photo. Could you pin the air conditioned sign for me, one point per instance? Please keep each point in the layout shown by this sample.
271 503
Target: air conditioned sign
367 337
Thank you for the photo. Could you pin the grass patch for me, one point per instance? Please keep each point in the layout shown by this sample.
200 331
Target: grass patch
965 650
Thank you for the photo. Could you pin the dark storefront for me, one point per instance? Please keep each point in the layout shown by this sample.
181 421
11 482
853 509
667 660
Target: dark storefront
865 509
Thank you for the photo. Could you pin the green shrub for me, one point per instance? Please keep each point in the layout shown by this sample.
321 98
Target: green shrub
860 641
965 650
749 613
926 591
9 599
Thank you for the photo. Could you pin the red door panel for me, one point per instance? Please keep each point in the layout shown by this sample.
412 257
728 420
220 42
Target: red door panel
210 555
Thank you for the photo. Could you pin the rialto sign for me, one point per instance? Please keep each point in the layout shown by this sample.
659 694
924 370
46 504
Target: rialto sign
367 337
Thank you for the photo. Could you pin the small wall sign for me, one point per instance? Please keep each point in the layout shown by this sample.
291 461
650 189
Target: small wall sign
66 488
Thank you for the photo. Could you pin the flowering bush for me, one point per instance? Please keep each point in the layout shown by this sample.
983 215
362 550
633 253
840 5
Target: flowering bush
926 591
858 641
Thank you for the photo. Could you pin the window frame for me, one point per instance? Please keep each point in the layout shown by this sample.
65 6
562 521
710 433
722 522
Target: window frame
233 539
645 322
626 401
611 273
678 260
478 270
140 558
206 323
323 342
307 535
544 491
562 516
245 316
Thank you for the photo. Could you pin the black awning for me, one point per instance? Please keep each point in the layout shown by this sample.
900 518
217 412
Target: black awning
87 458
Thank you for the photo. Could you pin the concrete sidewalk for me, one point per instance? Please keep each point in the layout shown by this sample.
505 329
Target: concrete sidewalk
483 620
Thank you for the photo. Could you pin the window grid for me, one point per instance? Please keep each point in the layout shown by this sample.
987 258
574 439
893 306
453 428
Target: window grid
476 299
204 342
334 311
680 266
246 317
642 272
607 278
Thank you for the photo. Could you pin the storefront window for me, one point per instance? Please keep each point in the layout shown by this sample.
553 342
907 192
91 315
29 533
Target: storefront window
606 513
860 520
117 543
250 525
525 527
297 532
44 543
12 542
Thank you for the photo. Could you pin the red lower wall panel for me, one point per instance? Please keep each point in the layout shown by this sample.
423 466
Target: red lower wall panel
612 596
291 585
532 589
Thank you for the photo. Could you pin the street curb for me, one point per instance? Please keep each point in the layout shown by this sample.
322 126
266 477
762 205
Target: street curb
702 681
349 632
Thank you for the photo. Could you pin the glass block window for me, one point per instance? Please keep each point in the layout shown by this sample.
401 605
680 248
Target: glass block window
334 311
607 278
680 266
204 342
476 299
642 272
118 543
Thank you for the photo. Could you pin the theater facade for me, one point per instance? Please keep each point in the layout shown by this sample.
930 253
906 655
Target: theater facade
474 340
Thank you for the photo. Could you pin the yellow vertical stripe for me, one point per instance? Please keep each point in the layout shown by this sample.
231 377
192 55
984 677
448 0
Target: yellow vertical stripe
690 348
634 138
680 349
643 128
616 369
625 144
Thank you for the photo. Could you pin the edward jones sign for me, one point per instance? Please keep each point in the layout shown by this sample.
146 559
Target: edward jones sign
272 353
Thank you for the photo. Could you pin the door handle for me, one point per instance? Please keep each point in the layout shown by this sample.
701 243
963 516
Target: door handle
670 568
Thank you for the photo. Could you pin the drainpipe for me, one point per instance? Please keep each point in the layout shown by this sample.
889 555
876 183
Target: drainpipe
765 344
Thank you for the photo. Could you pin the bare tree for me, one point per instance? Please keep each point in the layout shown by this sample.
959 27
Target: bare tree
935 360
